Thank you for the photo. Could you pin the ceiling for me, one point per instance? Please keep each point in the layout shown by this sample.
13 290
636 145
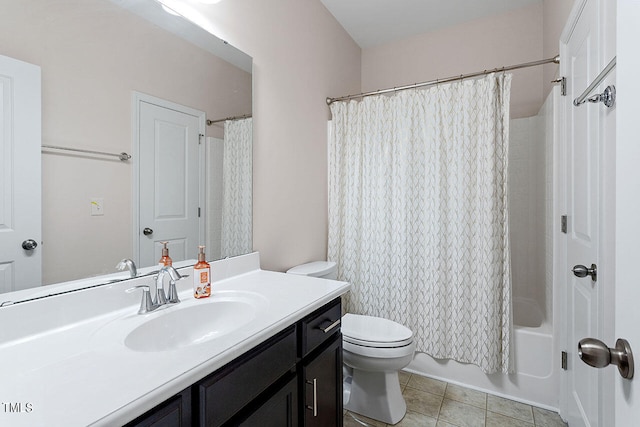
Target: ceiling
374 22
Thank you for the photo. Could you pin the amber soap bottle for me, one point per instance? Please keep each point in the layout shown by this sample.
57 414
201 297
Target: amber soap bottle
201 276
165 260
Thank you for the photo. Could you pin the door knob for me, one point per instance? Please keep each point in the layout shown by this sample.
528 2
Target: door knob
147 231
582 271
595 353
29 245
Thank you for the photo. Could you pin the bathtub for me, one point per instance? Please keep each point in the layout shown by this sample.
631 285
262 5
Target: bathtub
535 381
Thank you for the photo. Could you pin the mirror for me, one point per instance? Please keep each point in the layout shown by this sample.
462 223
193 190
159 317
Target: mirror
93 55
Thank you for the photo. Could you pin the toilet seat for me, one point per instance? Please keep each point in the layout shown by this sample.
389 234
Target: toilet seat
376 332
379 352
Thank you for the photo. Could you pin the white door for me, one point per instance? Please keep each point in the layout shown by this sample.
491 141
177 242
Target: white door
171 188
20 177
627 214
583 169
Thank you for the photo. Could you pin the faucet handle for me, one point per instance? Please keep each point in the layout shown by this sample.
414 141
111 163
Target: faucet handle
172 297
146 305
133 289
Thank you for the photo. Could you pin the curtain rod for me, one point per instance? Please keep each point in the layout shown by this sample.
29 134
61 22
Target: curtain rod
555 59
244 116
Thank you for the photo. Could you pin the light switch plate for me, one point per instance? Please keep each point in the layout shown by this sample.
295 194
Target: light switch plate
97 206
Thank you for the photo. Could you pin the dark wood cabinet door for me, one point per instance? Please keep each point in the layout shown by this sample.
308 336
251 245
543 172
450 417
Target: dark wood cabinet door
281 410
229 390
174 412
322 386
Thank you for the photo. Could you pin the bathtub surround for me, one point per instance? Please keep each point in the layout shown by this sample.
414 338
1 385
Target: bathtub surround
418 215
530 215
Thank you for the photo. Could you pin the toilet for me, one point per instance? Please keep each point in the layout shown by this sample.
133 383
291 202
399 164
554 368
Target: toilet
374 350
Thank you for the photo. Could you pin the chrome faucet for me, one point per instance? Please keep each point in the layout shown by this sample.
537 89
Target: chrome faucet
162 297
128 265
149 303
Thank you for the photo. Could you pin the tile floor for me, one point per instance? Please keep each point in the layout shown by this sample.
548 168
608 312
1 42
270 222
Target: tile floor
433 403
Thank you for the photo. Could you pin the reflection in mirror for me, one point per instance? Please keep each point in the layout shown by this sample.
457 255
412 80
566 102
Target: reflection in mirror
94 55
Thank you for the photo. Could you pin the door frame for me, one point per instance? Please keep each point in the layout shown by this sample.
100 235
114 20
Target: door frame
137 98
627 203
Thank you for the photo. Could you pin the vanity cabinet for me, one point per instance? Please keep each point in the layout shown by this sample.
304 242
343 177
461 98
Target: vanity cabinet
321 367
292 379
173 412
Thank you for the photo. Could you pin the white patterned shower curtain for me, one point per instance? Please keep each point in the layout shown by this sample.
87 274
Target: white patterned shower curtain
236 188
418 215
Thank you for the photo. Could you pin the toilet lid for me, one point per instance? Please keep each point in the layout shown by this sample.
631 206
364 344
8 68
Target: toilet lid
315 268
374 331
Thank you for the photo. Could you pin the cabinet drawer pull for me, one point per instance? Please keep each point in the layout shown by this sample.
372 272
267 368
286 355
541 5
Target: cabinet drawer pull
330 327
314 408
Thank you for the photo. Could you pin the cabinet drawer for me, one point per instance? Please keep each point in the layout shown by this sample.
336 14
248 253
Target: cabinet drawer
319 326
226 391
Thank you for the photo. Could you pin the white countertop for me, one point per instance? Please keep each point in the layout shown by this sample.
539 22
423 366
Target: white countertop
78 371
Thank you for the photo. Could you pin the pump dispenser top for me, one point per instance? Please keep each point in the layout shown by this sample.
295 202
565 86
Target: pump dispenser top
165 260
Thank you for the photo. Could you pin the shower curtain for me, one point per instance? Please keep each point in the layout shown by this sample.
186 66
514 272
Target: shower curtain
418 215
236 188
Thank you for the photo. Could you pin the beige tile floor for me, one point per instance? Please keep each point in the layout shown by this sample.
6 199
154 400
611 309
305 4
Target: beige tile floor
433 403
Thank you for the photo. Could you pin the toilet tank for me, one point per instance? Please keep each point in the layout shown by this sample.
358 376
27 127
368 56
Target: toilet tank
322 269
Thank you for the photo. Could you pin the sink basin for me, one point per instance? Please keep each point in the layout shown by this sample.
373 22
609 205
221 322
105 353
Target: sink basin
199 322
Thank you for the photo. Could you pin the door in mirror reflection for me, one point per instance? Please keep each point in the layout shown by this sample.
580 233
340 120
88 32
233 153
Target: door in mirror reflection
20 186
171 188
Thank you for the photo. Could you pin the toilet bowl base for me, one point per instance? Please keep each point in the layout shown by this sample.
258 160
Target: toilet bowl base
376 395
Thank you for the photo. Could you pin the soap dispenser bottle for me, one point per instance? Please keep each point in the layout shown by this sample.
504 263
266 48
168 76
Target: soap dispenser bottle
165 260
201 276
